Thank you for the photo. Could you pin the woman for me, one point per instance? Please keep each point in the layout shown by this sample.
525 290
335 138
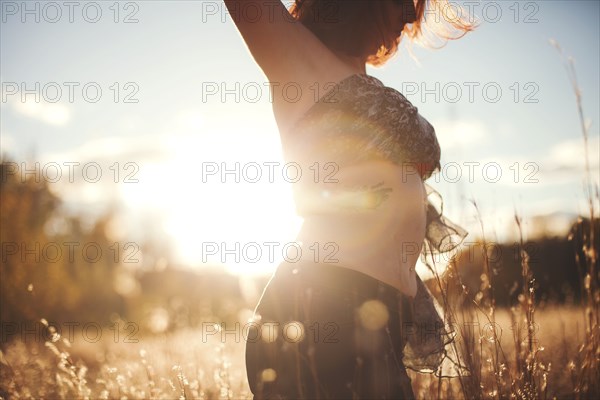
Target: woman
335 324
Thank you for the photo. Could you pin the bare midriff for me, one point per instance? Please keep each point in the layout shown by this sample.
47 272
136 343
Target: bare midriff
371 220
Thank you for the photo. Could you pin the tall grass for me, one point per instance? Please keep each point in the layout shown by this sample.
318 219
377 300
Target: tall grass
586 375
523 372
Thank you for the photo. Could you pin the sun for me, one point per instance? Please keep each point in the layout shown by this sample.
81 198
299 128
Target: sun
223 198
242 227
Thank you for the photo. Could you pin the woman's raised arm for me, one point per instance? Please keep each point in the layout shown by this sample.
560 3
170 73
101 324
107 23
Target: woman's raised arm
279 44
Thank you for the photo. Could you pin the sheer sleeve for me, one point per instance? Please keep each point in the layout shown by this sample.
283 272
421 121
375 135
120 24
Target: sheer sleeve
430 338
441 235
430 346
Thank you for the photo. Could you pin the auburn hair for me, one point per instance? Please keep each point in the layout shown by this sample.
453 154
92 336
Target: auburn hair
358 27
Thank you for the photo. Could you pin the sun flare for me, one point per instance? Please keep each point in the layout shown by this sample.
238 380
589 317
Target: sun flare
223 197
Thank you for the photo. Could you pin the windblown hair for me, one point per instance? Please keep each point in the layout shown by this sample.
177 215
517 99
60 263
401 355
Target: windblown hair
357 27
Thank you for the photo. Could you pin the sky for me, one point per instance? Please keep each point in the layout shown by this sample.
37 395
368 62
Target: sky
145 104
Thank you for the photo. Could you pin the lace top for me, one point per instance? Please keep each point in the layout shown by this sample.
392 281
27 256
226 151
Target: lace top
359 120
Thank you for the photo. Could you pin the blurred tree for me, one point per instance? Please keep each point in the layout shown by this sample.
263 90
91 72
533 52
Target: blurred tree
51 267
552 260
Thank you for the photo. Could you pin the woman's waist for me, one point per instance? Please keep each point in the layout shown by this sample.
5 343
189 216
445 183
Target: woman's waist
339 277
384 260
335 239
359 235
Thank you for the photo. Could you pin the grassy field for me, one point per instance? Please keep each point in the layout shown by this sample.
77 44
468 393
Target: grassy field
193 365
524 352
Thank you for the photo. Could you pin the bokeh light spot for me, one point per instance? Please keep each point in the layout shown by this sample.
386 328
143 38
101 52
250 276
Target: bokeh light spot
373 314
268 332
268 375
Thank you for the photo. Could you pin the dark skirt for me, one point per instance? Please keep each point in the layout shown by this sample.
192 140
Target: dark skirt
328 332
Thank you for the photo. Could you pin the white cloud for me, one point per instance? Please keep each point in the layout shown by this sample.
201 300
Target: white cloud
569 154
565 162
7 144
101 169
190 120
561 164
50 113
460 135
113 148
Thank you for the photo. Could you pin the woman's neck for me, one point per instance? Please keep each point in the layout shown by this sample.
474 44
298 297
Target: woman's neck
356 63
